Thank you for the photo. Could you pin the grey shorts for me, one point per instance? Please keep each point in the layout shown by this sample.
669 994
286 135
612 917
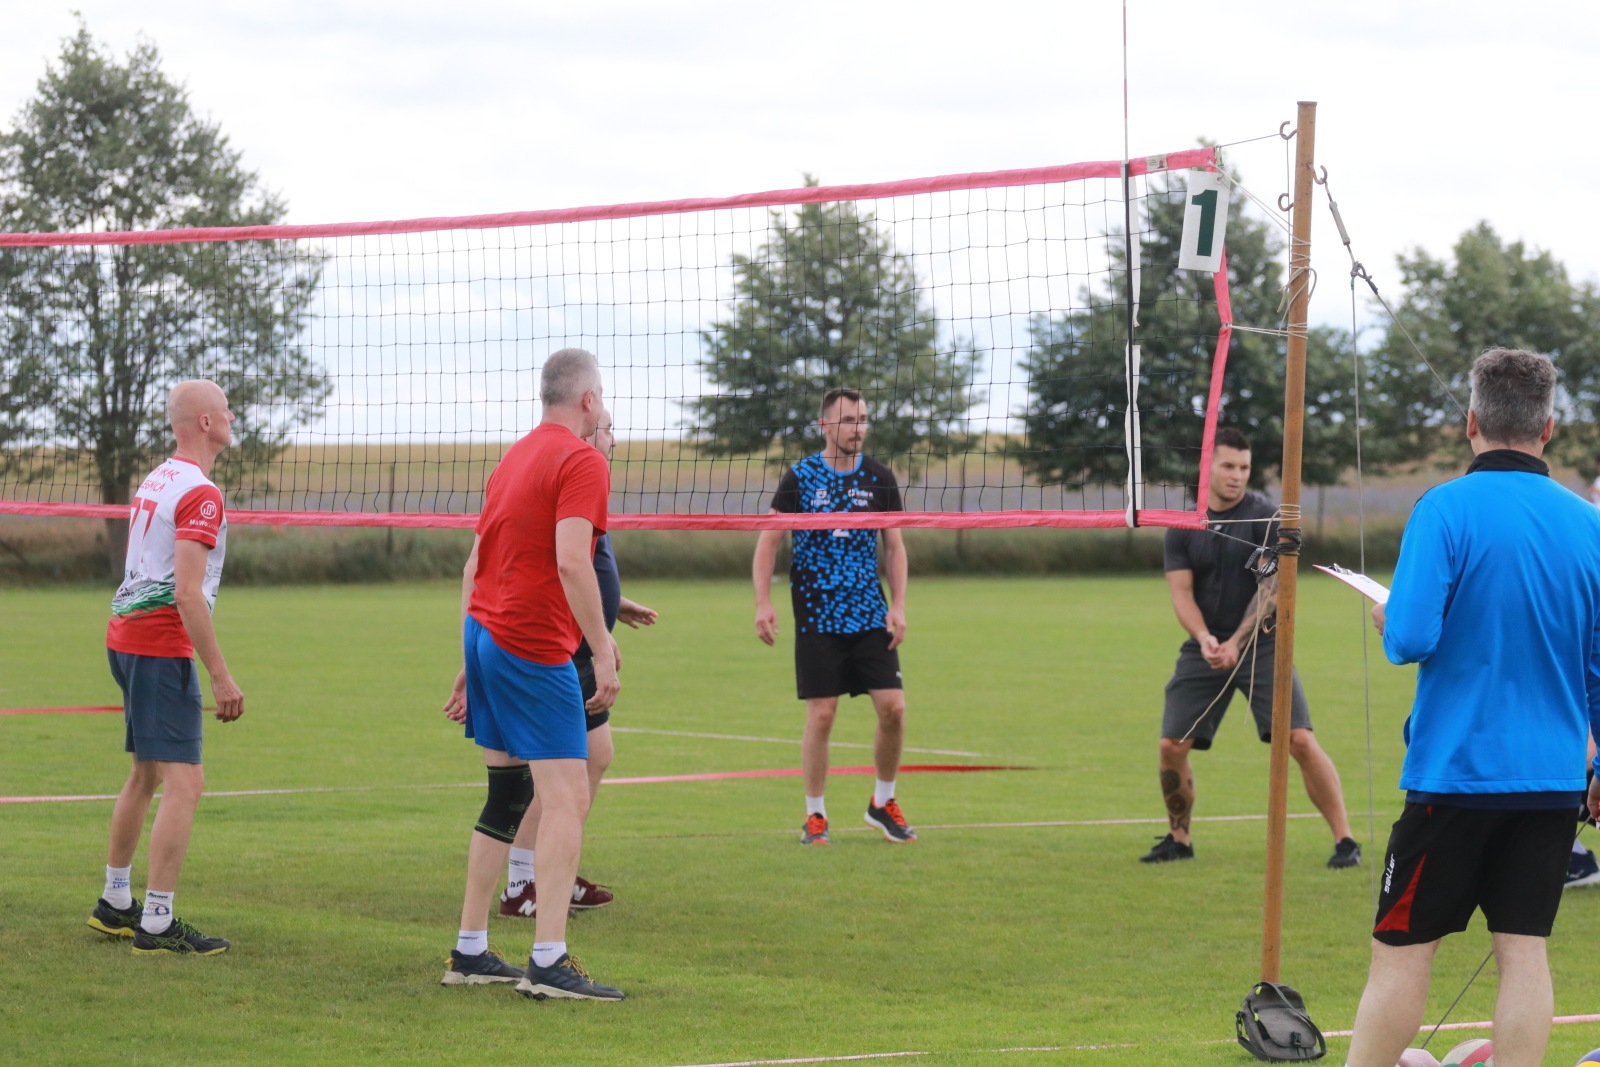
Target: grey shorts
160 706
1195 685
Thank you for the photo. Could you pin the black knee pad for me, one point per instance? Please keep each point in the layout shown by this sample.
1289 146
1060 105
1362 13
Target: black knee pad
510 791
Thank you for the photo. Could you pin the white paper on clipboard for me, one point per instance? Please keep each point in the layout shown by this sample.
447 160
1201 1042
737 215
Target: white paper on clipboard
1373 591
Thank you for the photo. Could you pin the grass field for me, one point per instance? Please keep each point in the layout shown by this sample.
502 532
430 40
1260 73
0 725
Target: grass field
1021 920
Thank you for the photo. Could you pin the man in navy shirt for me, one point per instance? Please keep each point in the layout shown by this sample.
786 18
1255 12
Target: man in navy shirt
1497 600
846 633
520 898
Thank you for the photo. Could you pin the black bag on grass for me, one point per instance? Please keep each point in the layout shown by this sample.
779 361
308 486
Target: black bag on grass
1274 1026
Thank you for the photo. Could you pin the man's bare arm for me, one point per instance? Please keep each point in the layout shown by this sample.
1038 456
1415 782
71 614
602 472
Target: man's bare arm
189 576
575 566
761 568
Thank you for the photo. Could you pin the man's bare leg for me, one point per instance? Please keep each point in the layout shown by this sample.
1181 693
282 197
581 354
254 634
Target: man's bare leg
1177 787
889 737
1391 1007
181 786
127 817
486 858
820 713
1322 781
562 786
1525 1003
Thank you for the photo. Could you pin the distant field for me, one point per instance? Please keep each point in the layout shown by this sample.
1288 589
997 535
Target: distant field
1021 920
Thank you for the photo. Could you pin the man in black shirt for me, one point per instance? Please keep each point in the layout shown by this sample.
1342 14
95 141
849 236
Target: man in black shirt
1229 618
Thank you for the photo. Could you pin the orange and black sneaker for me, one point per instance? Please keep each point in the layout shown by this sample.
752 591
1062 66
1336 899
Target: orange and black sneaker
815 831
892 821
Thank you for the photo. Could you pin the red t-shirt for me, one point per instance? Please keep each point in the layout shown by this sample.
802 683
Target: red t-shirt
549 475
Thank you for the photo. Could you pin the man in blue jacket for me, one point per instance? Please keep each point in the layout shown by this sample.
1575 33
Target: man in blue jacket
1497 599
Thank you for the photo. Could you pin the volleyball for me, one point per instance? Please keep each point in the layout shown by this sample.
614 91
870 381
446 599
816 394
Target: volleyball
1472 1053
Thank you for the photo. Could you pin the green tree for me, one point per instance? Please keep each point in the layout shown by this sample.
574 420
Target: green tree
827 301
93 337
1074 422
1488 294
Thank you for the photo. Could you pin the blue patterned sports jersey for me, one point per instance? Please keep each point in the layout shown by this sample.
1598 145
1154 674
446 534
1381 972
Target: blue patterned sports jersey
833 579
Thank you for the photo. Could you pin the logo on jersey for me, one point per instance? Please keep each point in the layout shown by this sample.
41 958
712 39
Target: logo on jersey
819 498
208 511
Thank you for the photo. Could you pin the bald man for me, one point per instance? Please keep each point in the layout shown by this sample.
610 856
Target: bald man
160 618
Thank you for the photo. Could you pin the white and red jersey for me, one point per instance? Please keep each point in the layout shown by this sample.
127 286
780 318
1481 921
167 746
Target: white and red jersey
176 503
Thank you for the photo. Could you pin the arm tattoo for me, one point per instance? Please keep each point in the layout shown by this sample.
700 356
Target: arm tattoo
1178 803
1263 605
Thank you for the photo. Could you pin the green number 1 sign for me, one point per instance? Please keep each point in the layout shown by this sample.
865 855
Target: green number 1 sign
1205 222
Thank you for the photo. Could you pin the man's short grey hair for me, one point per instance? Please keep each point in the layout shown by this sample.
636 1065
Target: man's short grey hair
567 375
1513 394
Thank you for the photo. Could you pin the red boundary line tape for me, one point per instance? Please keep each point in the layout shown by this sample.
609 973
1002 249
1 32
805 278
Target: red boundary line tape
999 179
99 710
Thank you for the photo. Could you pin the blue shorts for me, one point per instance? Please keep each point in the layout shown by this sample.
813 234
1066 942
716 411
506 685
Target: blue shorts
160 706
527 710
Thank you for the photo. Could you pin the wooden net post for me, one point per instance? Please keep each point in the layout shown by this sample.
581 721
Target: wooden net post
1289 529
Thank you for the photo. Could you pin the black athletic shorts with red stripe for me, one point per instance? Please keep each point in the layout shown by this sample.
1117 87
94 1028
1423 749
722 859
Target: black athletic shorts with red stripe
1445 862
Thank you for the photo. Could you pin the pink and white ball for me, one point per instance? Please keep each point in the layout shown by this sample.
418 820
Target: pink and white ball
1417 1057
1478 1052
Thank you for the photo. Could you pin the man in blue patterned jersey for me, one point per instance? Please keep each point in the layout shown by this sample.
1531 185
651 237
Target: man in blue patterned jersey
845 632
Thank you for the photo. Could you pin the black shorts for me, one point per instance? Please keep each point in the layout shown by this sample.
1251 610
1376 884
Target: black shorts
1446 862
1197 686
830 665
586 680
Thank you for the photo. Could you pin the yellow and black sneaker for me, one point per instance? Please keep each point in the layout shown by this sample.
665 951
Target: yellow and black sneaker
486 968
179 939
118 922
565 979
892 821
815 831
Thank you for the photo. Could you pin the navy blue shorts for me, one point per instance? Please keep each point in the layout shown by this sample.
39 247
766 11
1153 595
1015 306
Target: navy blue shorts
528 710
594 719
160 706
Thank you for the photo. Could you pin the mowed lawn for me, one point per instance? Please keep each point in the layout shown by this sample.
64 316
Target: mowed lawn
1021 921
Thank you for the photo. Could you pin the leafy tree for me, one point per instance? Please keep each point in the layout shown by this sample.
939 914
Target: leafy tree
1489 294
92 338
1074 422
827 301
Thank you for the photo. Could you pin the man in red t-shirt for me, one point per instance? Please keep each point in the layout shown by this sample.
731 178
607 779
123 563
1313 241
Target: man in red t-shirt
528 595
160 617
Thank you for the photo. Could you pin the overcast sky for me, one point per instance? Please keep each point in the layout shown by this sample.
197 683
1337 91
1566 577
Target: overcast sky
1432 115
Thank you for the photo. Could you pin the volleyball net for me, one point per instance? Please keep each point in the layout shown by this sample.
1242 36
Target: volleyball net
379 370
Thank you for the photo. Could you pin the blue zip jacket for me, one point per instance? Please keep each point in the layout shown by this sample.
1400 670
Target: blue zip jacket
1497 598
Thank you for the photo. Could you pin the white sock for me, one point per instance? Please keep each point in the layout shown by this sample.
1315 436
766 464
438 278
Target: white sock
882 792
157 912
1577 850
815 806
119 887
472 942
519 870
547 952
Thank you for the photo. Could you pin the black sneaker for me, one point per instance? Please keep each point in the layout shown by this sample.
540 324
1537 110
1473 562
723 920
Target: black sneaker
565 979
484 968
178 939
1168 849
1582 869
117 922
892 821
1347 853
